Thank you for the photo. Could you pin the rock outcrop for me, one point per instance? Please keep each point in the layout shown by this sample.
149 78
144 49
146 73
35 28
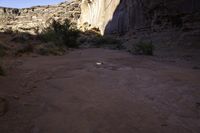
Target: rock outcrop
180 17
124 15
34 19
97 13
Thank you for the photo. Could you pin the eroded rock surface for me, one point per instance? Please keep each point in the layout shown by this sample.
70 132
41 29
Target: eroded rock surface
125 15
97 13
176 21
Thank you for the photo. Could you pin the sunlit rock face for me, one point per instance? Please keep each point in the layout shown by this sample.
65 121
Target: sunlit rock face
122 16
112 16
97 13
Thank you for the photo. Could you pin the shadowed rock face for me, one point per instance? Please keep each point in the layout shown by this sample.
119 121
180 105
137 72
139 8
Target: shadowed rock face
121 16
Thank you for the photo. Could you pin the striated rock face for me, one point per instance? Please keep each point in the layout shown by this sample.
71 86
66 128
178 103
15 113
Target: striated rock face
125 15
33 20
143 16
97 13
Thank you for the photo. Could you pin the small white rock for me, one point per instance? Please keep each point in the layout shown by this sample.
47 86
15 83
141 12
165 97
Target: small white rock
99 63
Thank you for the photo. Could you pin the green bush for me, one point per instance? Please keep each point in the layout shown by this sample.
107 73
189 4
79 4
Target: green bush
61 34
145 48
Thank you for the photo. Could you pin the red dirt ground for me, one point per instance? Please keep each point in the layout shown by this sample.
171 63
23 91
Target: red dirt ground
126 94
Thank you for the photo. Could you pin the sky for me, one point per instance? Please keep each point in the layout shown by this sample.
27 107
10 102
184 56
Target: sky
27 3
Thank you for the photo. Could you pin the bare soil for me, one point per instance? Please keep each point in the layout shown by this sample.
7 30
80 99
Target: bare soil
120 94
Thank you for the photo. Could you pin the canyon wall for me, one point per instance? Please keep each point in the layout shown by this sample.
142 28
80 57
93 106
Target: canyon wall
121 16
34 19
177 20
97 13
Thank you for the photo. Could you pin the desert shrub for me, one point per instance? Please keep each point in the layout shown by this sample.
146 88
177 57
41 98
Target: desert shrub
119 46
8 31
2 50
145 48
2 53
61 34
21 37
82 40
50 48
106 41
24 48
2 72
88 37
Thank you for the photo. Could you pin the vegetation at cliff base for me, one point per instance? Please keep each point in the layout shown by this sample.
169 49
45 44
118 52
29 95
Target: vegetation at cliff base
24 48
106 40
2 50
61 34
144 48
2 53
94 39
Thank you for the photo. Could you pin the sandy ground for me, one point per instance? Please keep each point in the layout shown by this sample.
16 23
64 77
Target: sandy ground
125 94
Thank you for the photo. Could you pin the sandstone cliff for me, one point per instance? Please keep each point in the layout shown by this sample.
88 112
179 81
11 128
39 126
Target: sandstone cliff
97 13
125 15
181 17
